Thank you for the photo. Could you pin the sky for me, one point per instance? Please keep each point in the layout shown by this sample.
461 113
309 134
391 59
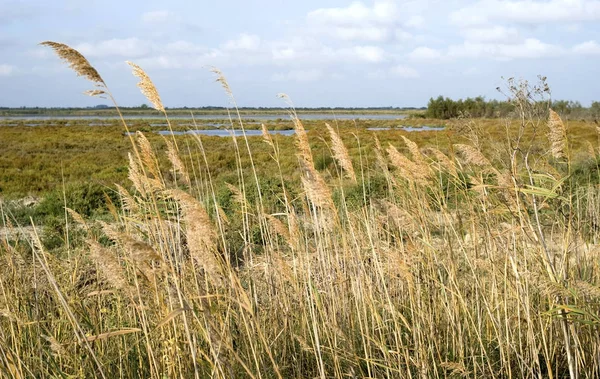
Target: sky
365 53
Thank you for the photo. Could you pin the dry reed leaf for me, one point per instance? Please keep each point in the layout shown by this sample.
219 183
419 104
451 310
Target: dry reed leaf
472 156
340 153
99 293
557 135
147 87
115 333
77 62
174 313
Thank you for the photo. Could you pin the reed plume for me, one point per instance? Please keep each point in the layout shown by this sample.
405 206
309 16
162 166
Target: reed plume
442 160
147 155
266 136
176 162
316 189
109 265
147 87
408 169
417 156
557 135
472 156
223 82
76 61
201 235
340 153
302 144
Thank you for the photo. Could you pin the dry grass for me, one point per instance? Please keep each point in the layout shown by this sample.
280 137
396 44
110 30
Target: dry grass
481 267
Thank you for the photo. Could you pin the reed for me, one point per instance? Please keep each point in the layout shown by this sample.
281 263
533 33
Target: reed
458 266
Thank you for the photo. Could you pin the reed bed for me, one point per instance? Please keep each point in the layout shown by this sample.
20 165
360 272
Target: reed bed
473 261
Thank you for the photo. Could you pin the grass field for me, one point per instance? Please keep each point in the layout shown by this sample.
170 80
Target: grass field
338 252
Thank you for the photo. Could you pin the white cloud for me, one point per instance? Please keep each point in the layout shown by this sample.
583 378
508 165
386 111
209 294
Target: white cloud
377 74
382 21
424 53
492 34
530 49
367 33
284 53
7 70
298 76
127 48
527 12
157 17
185 47
415 22
356 13
372 54
587 48
243 42
404 72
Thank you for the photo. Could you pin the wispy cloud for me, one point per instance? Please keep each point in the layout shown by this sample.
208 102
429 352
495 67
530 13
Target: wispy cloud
7 70
484 12
126 47
243 42
298 76
587 48
159 17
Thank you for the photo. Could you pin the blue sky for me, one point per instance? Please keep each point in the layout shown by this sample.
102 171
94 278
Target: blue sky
320 53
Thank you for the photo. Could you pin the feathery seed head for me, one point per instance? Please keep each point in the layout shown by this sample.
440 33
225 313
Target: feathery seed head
557 135
147 87
76 61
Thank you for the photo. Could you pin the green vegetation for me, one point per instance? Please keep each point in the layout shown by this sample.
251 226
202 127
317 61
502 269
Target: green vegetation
479 107
339 252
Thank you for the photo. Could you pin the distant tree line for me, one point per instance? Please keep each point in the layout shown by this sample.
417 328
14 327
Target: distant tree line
447 108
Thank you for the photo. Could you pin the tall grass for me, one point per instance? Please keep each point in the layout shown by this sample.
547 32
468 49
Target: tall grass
471 262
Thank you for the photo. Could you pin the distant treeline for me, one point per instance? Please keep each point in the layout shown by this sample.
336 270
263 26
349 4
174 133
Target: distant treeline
446 108
145 109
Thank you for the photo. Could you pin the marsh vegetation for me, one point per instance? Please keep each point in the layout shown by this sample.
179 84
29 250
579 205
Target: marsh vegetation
336 252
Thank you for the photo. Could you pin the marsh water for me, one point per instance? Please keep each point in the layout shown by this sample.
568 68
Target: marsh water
238 132
265 117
